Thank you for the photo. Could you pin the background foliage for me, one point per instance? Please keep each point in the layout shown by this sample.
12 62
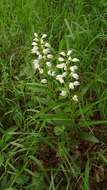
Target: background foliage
46 142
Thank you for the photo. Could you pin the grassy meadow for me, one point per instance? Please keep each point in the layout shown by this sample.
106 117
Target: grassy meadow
49 142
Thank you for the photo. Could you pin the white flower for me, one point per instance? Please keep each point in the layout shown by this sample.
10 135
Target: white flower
47 45
65 68
36 64
76 83
73 68
46 51
61 59
44 57
64 74
71 85
69 58
48 64
63 93
44 81
42 42
34 44
53 73
49 73
69 52
75 98
75 60
40 56
62 53
36 39
35 61
60 66
34 49
66 64
44 36
38 53
35 34
60 78
75 75
41 71
50 56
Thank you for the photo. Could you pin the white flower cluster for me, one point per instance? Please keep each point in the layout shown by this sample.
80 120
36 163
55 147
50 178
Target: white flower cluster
42 51
62 68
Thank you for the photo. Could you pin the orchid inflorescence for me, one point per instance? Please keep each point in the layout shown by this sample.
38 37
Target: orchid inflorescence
62 67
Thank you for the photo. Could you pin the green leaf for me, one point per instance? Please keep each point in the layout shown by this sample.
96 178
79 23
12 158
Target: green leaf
62 149
103 158
1 159
86 176
58 130
8 133
88 137
37 182
10 188
85 123
21 180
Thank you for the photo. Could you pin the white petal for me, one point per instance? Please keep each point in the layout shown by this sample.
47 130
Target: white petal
38 53
36 64
47 45
35 34
69 58
48 64
36 39
53 73
61 59
63 93
40 56
50 56
34 44
76 83
44 36
62 53
46 51
73 68
69 52
71 85
75 98
75 75
65 68
35 61
64 74
44 81
60 78
42 42
49 73
41 71
34 49
60 66
75 60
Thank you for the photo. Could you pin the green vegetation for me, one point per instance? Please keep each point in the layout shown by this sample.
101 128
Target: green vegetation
48 142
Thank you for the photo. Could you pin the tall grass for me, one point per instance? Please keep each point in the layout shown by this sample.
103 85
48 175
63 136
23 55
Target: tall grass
47 142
